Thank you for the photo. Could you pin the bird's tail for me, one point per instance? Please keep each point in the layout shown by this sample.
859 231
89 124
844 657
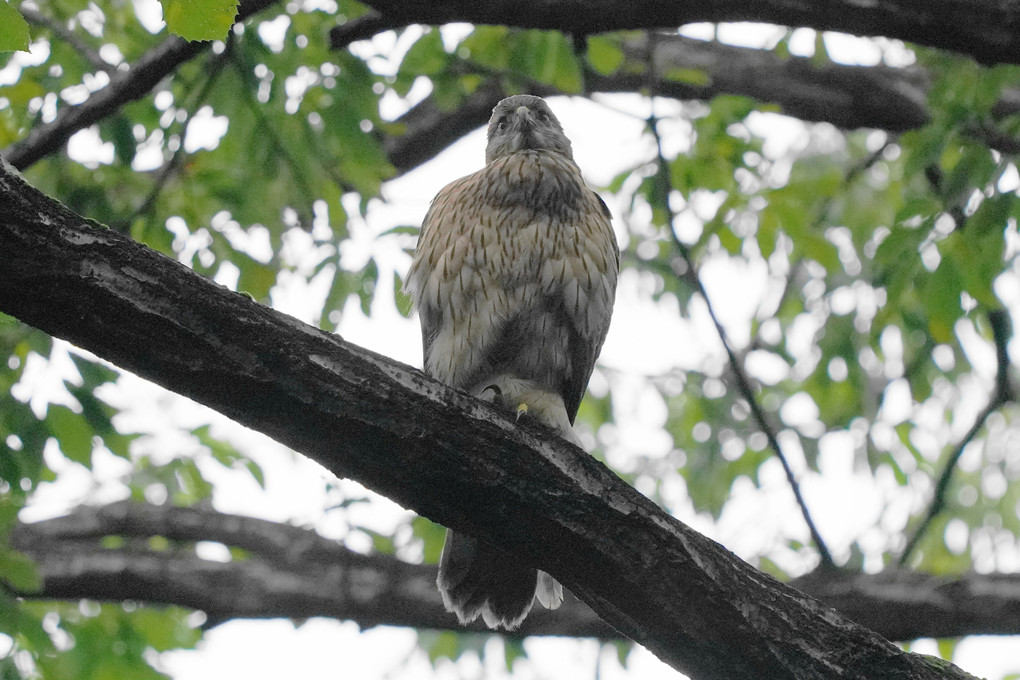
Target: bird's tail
477 578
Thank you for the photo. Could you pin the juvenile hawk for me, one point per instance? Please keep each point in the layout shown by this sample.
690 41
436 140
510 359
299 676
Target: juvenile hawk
514 279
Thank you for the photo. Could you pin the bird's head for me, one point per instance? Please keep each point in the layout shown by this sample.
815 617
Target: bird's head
524 122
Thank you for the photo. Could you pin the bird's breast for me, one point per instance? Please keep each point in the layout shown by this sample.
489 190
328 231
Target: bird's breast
543 182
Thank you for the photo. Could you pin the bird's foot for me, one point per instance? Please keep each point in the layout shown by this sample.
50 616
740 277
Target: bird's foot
522 408
490 394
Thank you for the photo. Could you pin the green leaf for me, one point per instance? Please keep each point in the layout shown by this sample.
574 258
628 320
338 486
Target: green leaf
444 646
433 535
255 278
547 56
165 629
426 57
513 649
200 19
979 260
72 432
19 571
942 300
692 76
947 646
18 621
604 54
401 298
14 34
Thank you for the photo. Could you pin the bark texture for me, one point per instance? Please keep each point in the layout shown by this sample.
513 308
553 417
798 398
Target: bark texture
449 457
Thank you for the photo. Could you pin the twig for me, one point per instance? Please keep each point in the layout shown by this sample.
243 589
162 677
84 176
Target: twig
743 382
170 168
361 28
124 87
1003 393
296 168
87 52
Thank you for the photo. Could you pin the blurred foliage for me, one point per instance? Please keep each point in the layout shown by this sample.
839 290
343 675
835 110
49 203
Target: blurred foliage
883 255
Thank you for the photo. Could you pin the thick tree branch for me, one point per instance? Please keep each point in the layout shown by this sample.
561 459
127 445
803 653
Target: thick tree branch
295 573
987 30
905 605
849 97
436 450
289 572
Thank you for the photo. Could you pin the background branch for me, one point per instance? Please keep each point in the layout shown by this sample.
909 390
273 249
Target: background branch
87 52
296 573
1002 394
736 367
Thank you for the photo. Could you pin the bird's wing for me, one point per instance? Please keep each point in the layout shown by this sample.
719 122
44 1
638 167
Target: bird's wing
437 280
597 255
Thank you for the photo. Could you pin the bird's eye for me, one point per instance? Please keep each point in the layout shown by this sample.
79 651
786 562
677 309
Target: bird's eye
501 125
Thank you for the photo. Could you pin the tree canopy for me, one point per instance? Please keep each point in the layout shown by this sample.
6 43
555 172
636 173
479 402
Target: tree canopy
823 255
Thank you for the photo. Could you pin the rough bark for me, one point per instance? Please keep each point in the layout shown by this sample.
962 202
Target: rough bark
449 457
292 572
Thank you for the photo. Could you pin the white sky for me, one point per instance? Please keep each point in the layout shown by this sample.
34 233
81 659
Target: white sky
645 339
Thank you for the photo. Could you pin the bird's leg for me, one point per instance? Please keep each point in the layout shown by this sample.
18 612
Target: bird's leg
522 408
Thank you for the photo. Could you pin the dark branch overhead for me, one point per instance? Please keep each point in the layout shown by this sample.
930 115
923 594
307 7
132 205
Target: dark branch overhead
451 458
987 30
849 97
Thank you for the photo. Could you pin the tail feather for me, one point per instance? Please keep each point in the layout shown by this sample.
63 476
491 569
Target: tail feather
478 579
549 591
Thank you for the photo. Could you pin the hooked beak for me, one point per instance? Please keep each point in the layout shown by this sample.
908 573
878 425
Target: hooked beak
525 117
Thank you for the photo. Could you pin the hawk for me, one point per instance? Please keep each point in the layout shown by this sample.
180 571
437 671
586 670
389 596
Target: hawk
514 279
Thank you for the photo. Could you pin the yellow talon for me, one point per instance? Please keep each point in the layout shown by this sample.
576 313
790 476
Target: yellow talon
522 408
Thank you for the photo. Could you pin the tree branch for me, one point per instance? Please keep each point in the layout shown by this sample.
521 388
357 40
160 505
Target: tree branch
360 28
849 97
905 605
86 51
1002 394
296 573
736 367
436 450
289 572
987 30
